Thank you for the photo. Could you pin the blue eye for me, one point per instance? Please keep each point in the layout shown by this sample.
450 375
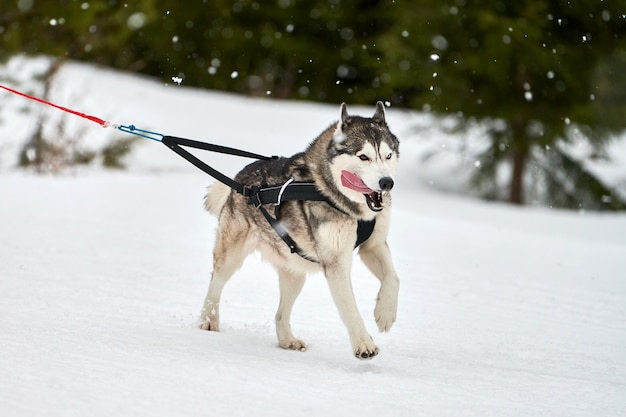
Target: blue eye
389 156
363 157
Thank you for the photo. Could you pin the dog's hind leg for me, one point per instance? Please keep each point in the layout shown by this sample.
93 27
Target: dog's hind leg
291 284
231 249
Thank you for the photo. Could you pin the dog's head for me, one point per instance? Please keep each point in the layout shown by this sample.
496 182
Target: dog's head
364 156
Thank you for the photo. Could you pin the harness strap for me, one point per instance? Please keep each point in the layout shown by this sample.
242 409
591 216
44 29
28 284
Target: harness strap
284 235
174 143
290 191
364 230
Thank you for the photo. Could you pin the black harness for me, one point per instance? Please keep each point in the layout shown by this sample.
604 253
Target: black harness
261 195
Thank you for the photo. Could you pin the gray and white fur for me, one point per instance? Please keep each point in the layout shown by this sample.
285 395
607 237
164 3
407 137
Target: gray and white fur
352 163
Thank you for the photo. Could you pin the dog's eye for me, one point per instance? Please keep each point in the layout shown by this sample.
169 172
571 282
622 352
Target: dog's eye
389 156
363 157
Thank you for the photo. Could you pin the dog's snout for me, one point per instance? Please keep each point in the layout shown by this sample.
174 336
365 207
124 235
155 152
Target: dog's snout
386 183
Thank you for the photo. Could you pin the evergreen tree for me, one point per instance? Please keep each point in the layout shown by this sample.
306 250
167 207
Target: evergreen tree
97 31
538 73
311 49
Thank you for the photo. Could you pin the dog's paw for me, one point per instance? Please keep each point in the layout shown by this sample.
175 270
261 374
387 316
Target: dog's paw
207 325
385 312
385 318
293 344
365 350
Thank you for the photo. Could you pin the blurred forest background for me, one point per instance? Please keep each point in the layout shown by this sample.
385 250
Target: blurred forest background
535 74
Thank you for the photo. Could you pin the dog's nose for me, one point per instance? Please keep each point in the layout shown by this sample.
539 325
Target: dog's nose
386 183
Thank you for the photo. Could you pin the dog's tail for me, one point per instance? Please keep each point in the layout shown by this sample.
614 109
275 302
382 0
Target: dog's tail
216 197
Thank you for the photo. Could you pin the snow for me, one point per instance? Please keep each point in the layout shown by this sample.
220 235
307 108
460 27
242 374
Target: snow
504 311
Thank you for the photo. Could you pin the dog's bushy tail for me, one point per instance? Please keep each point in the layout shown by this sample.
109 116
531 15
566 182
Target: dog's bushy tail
216 197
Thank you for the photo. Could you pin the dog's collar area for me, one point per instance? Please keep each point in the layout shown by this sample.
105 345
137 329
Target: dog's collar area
299 191
260 195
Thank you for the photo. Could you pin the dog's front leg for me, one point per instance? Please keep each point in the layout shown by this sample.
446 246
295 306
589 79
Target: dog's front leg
338 277
376 255
377 258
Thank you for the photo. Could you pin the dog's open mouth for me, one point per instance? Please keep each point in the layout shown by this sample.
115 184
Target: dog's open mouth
374 199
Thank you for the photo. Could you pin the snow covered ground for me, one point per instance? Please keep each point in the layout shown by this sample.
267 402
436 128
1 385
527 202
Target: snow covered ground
504 311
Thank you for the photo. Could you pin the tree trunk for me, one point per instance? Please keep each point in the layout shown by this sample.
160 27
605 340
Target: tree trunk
37 140
516 195
284 89
519 148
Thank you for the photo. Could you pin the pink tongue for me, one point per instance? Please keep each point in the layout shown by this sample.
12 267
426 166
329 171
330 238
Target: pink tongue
350 180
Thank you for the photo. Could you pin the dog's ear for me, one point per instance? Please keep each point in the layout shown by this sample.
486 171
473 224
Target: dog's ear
344 113
339 135
379 115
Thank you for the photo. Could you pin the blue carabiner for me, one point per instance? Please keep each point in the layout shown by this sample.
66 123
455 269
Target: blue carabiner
141 132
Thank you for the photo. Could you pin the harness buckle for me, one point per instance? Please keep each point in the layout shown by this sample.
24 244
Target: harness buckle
253 195
255 200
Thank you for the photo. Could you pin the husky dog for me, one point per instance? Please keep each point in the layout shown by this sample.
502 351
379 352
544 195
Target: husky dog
352 164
